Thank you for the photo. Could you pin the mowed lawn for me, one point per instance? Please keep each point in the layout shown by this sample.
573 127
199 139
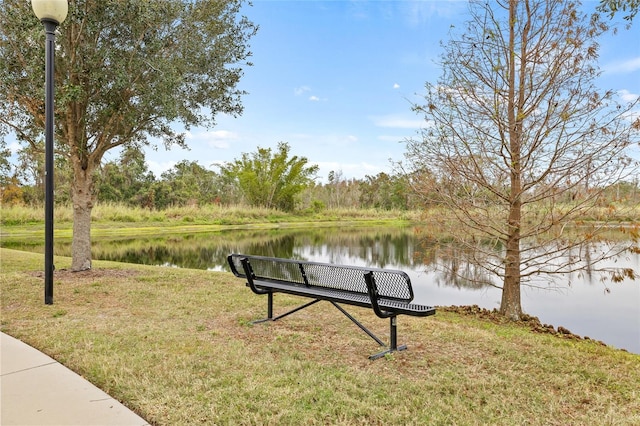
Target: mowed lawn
177 347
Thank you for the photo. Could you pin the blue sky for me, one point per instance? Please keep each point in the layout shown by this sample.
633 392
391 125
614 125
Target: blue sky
335 80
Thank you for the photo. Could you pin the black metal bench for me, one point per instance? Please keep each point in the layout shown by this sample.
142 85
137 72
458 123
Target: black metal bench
387 292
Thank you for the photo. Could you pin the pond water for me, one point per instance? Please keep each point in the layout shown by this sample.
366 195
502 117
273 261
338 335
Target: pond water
605 311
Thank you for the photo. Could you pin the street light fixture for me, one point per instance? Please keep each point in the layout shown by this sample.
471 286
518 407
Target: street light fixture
51 13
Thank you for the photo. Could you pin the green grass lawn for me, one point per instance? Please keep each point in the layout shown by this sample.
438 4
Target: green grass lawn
176 346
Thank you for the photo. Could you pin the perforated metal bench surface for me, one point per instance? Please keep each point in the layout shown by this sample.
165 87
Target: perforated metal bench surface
388 292
328 281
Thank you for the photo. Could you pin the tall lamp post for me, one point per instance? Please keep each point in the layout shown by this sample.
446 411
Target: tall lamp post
51 13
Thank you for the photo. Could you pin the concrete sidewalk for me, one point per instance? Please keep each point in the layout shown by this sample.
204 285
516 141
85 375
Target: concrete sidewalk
37 390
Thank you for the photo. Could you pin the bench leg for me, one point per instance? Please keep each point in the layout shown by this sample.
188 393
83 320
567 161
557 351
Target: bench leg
270 316
356 322
393 341
296 309
269 310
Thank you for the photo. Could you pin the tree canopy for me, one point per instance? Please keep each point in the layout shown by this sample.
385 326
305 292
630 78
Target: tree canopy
612 7
125 72
270 179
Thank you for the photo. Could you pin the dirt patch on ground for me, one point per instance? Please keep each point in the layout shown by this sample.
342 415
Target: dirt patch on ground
66 275
528 321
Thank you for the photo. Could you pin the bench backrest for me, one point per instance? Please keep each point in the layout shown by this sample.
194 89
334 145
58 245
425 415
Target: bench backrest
392 284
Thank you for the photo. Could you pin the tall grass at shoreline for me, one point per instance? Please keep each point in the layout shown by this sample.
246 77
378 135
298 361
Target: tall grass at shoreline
227 215
207 214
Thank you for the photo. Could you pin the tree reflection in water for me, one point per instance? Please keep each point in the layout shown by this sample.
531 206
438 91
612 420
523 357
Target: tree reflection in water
441 276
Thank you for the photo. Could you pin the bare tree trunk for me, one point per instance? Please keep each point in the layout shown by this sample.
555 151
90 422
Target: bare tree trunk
510 305
82 194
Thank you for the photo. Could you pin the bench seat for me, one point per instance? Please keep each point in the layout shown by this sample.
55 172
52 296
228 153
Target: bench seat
348 297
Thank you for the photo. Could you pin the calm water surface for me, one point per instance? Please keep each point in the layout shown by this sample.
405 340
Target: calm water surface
580 304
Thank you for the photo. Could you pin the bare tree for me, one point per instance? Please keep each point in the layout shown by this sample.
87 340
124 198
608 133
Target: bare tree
521 142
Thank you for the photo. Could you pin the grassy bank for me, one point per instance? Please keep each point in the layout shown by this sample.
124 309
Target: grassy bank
176 346
20 222
108 219
208 214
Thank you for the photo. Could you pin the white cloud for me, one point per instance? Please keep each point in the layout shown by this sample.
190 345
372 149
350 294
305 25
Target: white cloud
627 96
14 147
397 121
421 12
301 90
349 170
396 86
222 134
391 138
623 67
159 168
314 98
218 139
218 144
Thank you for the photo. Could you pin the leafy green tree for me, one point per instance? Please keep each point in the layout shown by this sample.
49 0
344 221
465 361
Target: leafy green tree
612 7
127 180
10 188
160 195
190 183
514 125
5 164
385 191
270 179
125 72
30 172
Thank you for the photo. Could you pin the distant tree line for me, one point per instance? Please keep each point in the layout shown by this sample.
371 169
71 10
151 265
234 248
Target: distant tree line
265 178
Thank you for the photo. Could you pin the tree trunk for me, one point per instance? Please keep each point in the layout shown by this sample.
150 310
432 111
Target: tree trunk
510 305
82 195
